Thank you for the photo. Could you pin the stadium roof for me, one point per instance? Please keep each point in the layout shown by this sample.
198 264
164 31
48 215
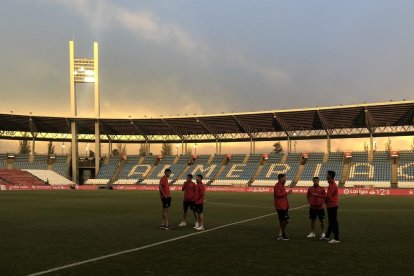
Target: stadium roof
351 121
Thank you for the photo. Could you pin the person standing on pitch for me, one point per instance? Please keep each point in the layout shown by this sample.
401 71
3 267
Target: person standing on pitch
199 202
332 207
189 189
165 195
281 205
316 207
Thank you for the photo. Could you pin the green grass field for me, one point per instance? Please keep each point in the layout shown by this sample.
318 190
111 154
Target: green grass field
43 230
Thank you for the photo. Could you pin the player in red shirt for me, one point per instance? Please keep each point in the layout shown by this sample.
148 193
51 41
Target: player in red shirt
199 202
332 208
165 195
281 205
316 207
189 189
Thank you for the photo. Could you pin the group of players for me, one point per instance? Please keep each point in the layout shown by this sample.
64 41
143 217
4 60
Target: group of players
317 197
193 199
194 194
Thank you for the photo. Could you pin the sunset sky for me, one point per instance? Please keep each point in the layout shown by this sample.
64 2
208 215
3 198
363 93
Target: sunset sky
193 56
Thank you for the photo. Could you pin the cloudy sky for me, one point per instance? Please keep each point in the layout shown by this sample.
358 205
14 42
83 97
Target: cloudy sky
192 56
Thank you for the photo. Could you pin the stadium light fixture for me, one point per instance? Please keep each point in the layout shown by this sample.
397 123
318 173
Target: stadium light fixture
84 70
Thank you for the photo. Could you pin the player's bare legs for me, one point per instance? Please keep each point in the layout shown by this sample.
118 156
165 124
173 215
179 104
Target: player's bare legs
200 219
322 226
184 216
282 228
313 225
164 216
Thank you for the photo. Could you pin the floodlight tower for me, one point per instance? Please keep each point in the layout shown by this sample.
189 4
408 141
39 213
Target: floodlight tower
84 70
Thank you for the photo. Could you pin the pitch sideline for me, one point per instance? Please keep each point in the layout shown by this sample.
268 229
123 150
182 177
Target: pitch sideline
161 242
154 244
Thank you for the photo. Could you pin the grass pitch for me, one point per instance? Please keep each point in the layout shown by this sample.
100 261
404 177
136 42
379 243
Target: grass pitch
40 230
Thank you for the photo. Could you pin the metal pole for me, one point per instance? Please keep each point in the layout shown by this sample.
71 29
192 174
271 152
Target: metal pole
371 142
73 108
328 144
75 159
97 107
182 147
288 144
33 145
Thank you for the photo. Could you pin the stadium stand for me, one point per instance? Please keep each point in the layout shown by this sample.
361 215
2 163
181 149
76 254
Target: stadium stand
202 166
167 163
240 169
106 171
315 167
3 158
132 172
60 165
268 176
255 158
184 159
19 177
50 177
238 173
406 169
237 158
376 174
360 157
176 170
312 168
202 159
381 156
21 161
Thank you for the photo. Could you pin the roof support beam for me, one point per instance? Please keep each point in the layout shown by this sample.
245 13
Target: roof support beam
327 126
244 127
140 129
285 126
174 129
210 129
107 128
369 121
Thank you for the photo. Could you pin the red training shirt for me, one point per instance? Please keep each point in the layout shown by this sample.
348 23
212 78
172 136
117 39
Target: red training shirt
200 192
332 195
316 202
165 187
189 188
280 197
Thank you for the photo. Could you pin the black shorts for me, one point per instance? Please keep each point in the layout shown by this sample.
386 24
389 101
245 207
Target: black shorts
282 215
198 208
166 202
188 204
316 213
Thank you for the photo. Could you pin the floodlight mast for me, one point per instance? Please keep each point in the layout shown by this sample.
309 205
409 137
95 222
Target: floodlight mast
84 70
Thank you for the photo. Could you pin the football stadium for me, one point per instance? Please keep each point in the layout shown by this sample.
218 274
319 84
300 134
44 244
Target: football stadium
88 203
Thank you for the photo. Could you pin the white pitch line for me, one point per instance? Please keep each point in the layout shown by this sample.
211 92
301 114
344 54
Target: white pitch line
154 244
